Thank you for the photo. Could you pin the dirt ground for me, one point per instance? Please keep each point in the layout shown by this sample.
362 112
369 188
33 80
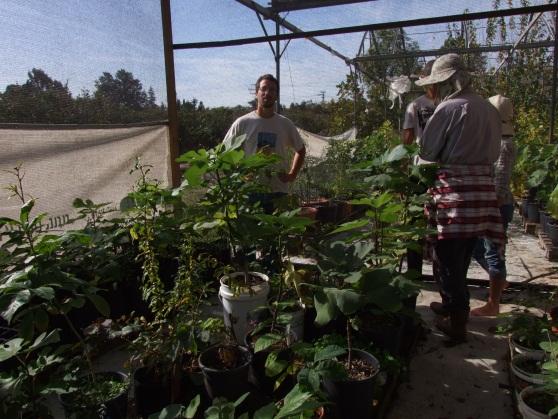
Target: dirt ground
470 381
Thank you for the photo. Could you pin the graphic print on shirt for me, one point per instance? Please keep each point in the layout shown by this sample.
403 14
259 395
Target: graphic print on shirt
424 114
267 141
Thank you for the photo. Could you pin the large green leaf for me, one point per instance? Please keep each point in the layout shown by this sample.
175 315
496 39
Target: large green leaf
100 304
193 407
46 293
45 339
267 340
273 365
325 306
395 154
266 412
348 301
172 411
194 175
10 348
329 352
18 301
296 402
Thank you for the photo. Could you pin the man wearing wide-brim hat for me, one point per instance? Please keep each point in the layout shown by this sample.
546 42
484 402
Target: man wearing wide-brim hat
463 138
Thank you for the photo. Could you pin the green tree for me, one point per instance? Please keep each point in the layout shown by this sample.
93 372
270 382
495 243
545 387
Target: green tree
40 99
121 90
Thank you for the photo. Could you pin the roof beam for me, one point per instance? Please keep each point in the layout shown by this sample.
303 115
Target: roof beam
441 51
288 5
364 28
268 14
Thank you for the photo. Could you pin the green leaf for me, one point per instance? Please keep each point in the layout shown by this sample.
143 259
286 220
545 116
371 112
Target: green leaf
266 412
274 366
194 175
100 304
193 407
348 301
325 306
267 340
351 225
295 402
172 411
18 301
10 348
239 401
329 352
43 339
46 293
395 154
25 210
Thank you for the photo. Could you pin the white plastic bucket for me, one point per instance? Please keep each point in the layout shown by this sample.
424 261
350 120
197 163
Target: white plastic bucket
236 307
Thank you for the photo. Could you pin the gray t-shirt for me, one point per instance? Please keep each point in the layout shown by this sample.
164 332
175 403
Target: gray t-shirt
465 130
275 135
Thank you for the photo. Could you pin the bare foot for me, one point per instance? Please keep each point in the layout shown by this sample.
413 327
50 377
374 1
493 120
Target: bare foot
486 310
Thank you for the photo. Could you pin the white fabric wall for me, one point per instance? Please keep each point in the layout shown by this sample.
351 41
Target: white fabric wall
62 164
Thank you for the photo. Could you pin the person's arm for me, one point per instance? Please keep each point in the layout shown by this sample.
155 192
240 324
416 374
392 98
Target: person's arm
296 165
408 136
409 124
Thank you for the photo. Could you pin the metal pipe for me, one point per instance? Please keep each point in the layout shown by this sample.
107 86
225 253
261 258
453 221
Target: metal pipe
370 27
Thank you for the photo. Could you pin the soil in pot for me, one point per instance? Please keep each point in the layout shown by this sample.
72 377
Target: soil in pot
540 401
226 371
354 396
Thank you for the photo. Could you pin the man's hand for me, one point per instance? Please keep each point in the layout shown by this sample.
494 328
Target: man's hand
287 177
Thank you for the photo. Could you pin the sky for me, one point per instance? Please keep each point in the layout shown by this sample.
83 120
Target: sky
75 41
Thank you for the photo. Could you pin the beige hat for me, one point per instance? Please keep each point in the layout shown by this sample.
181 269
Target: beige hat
443 68
505 108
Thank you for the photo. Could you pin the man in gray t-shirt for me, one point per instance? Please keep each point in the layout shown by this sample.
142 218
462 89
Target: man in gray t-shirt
268 131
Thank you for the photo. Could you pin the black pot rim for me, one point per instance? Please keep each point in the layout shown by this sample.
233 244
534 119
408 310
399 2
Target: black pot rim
242 348
367 355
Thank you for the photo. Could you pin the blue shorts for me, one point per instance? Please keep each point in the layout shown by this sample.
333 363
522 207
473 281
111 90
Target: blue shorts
488 254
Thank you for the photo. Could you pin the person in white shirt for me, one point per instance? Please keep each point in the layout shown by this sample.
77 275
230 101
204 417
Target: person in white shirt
419 111
269 131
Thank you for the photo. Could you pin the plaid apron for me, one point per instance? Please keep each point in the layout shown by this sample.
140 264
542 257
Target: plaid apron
464 204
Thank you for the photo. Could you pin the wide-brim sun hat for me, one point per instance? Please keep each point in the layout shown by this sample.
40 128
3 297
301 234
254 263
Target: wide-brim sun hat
443 68
505 109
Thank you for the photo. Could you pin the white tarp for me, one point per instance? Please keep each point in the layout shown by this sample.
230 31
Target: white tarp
316 145
62 164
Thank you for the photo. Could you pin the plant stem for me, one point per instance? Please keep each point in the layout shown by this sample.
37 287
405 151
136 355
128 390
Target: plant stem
349 345
84 346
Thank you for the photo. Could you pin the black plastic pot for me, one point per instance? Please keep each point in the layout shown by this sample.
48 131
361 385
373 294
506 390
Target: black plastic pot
385 332
115 408
229 383
532 212
552 233
151 391
543 220
354 399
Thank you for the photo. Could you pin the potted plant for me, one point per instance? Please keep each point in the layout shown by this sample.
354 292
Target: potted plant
525 331
230 178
